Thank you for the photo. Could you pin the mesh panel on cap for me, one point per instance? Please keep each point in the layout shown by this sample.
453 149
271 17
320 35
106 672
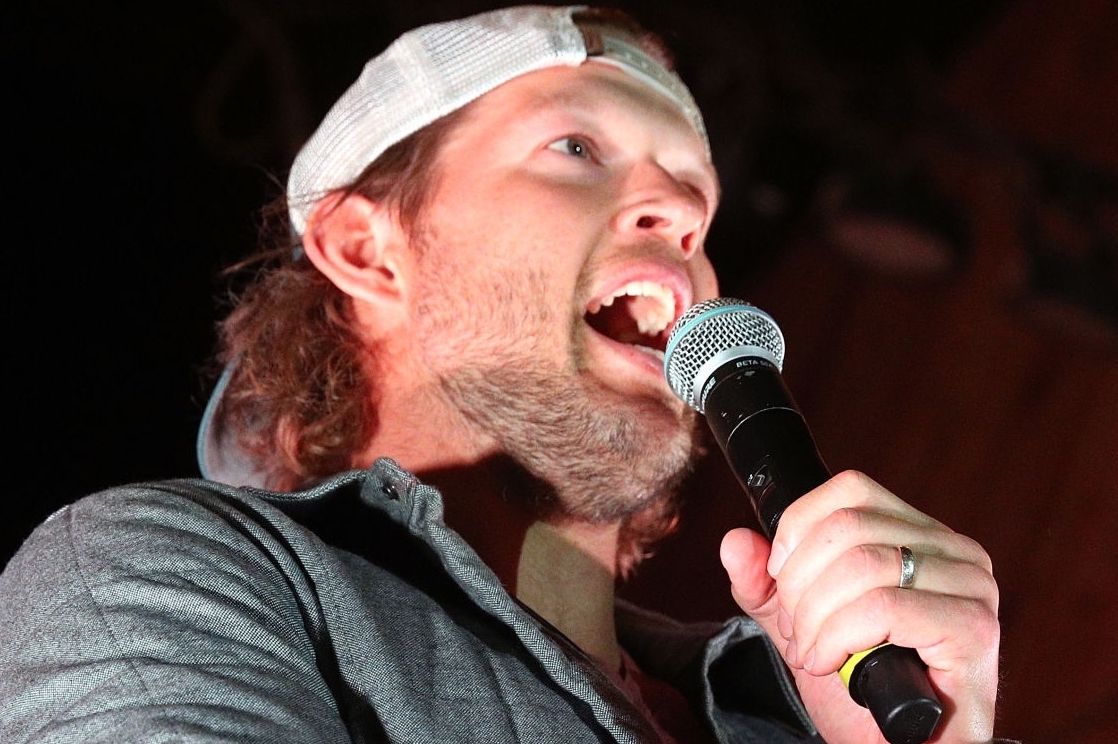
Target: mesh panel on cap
425 74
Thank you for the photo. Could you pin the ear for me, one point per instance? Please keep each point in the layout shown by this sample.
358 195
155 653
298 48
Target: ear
360 246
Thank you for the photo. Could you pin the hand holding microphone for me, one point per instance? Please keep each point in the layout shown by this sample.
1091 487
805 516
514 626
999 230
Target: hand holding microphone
723 358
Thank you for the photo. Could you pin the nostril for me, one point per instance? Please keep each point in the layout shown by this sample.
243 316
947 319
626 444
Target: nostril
646 221
688 244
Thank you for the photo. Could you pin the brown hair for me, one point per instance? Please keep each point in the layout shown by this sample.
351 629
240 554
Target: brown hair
300 400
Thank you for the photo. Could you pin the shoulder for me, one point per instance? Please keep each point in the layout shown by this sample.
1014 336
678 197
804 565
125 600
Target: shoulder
170 534
138 522
124 606
120 534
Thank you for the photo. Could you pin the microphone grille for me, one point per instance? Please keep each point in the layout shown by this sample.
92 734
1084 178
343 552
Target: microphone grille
712 333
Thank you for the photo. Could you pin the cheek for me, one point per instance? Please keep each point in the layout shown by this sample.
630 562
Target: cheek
524 210
587 195
704 280
522 223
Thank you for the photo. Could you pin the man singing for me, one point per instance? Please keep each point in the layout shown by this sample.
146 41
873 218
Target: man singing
442 437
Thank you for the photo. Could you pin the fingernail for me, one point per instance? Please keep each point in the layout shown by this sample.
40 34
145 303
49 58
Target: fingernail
809 662
776 559
790 652
783 622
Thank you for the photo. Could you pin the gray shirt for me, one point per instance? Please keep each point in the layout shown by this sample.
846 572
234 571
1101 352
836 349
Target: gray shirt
189 611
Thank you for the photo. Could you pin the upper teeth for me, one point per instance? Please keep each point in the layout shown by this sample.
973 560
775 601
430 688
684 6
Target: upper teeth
653 309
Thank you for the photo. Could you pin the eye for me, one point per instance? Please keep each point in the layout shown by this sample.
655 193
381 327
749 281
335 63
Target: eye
576 147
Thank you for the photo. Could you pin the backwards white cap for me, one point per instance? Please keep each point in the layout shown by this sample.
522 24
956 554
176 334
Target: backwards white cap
434 70
425 74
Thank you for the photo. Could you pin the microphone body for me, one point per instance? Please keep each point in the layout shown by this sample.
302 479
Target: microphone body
763 436
723 359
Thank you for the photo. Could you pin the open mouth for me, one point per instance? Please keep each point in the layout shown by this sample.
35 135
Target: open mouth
637 314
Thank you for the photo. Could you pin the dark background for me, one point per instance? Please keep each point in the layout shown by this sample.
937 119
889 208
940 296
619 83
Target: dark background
144 137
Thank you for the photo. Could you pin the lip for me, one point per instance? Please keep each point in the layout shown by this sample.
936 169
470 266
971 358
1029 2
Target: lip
667 274
621 359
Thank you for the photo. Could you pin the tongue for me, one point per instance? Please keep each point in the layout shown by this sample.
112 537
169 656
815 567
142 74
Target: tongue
616 322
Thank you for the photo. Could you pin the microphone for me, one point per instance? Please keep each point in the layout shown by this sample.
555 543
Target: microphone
723 359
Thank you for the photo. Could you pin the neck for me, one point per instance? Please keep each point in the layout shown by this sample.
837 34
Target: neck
563 570
566 574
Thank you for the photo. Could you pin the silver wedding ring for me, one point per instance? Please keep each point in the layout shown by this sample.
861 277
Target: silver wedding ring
908 567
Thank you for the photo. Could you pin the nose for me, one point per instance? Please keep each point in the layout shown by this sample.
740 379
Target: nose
660 204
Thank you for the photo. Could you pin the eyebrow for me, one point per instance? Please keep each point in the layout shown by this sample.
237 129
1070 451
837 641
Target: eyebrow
579 102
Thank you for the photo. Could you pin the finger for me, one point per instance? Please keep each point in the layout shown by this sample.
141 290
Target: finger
857 571
833 536
744 555
839 539
868 568
957 637
848 490
948 631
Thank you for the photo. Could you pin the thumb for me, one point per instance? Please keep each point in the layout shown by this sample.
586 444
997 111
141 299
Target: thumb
745 556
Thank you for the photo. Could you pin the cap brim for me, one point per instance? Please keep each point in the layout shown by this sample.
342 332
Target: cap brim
220 458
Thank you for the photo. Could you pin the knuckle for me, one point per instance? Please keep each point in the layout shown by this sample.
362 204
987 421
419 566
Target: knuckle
989 593
852 481
967 550
842 522
981 623
879 606
861 560
979 556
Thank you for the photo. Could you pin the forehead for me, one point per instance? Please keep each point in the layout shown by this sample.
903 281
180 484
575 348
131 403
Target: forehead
593 92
